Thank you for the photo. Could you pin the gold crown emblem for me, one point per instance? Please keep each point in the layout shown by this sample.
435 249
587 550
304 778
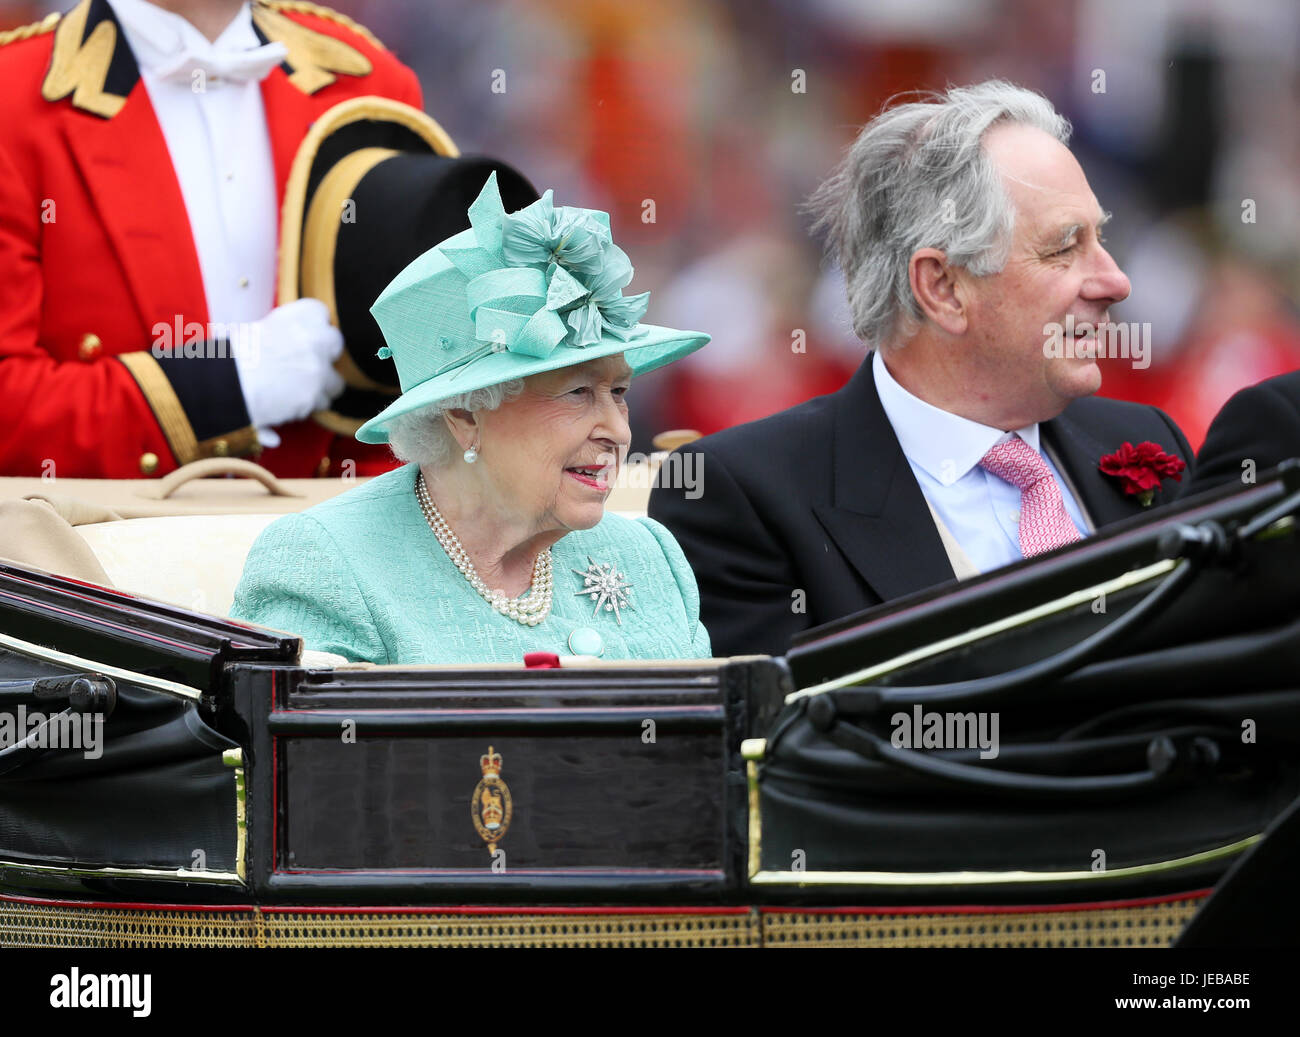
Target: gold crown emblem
491 810
490 805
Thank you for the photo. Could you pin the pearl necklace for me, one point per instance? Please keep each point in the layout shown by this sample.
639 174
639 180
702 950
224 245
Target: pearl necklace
531 609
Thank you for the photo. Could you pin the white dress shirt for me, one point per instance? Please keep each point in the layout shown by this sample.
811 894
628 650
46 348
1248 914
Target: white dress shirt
215 128
981 511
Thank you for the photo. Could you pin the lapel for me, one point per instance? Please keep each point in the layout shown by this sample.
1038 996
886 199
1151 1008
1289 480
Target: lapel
114 137
1080 453
289 112
115 141
877 515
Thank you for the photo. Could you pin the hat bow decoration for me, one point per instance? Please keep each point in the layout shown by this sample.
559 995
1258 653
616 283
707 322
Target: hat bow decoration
541 277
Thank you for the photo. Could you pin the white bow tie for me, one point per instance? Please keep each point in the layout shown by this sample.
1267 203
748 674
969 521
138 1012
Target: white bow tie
235 65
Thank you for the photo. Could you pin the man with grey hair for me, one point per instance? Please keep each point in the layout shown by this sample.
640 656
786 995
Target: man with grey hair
969 438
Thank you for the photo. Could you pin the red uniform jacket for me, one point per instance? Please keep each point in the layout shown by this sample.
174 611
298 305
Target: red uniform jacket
96 249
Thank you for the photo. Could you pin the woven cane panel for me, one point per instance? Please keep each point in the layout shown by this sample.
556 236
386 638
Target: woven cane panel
38 925
1153 925
31 925
396 930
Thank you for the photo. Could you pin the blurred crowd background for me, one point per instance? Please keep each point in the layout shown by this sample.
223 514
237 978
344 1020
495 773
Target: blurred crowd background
703 125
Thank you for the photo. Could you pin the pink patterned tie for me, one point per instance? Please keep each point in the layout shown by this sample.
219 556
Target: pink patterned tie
1044 523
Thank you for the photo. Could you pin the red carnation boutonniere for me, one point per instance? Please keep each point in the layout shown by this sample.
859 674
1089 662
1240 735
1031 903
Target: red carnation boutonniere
1141 468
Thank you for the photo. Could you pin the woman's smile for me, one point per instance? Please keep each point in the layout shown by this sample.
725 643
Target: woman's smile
592 477
597 476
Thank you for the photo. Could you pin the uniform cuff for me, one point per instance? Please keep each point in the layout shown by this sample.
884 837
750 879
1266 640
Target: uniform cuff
198 403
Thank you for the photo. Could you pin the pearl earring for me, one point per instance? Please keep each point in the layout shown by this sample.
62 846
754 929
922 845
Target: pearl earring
471 455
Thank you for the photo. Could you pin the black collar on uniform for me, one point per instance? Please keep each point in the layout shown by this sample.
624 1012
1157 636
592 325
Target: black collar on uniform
91 61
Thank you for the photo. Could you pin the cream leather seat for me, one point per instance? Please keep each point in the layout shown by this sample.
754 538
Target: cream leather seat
189 560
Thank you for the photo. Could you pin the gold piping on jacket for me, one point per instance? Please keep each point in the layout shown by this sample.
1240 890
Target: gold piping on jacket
164 403
81 69
173 420
26 32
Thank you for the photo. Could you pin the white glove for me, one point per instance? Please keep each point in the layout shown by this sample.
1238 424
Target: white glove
289 372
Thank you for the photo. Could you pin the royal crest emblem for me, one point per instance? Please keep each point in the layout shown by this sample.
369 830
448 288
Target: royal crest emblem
491 806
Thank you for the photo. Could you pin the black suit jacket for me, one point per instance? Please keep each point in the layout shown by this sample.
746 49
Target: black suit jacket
1259 424
821 499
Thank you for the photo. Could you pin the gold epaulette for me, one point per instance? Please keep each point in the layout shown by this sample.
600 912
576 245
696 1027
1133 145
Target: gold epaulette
26 32
303 7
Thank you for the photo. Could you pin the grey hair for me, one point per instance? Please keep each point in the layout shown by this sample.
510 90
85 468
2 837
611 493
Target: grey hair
918 177
422 436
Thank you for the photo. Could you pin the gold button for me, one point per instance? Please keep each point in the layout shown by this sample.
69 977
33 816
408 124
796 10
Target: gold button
221 448
243 282
90 347
148 463
323 469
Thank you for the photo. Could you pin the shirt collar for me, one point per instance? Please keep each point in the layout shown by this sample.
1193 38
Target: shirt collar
946 446
158 37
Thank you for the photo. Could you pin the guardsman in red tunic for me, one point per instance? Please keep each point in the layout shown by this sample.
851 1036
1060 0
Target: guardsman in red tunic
142 168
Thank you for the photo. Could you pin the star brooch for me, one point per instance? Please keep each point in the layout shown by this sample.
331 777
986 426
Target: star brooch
607 587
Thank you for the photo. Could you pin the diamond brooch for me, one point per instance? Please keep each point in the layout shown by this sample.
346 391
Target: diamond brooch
607 587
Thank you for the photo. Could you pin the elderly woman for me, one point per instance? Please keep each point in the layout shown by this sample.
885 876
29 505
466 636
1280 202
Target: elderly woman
514 345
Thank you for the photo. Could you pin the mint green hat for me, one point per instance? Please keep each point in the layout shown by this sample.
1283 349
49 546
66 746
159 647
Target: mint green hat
515 295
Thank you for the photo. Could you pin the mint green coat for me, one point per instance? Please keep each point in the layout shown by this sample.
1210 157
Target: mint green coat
363 576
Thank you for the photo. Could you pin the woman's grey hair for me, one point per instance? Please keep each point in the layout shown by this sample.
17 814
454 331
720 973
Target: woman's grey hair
918 177
423 437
